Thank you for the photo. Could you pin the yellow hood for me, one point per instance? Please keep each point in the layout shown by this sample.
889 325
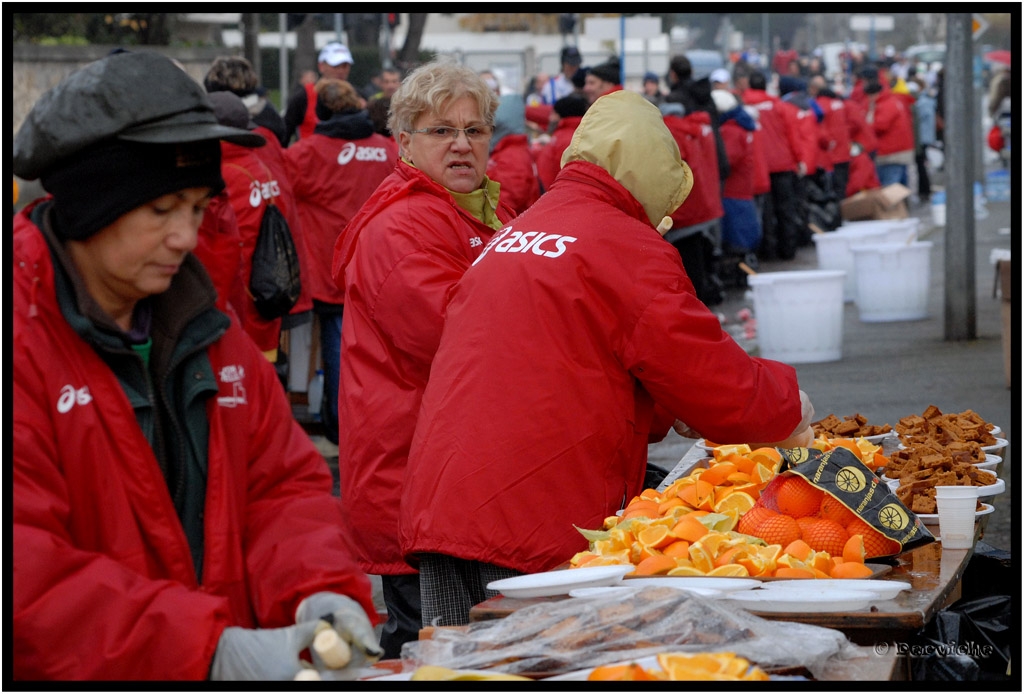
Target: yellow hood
625 135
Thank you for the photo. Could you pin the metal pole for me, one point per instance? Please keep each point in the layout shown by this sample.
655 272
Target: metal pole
339 25
622 49
960 136
282 33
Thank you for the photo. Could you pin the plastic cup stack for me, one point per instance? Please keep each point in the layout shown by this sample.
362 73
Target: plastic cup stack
956 506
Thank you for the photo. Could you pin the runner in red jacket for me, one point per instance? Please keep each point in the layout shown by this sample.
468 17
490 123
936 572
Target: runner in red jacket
575 324
781 220
334 171
570 110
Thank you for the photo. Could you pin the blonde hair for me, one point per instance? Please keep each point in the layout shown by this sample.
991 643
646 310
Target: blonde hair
431 87
336 95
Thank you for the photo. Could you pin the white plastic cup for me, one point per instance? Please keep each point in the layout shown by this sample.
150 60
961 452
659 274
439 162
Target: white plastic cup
956 505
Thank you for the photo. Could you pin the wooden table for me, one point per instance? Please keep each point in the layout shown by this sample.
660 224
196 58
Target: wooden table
935 575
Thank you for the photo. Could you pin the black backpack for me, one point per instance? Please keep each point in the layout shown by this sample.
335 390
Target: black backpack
275 282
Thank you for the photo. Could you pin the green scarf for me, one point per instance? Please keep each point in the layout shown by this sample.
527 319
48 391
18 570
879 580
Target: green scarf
481 203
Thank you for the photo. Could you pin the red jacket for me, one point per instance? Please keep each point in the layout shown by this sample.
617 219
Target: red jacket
762 177
219 249
397 260
893 124
863 175
309 118
250 184
739 145
511 164
696 140
103 580
272 154
333 177
860 131
549 159
559 342
835 128
782 146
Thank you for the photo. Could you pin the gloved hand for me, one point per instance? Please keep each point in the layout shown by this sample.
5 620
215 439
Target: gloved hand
261 654
349 619
684 430
803 434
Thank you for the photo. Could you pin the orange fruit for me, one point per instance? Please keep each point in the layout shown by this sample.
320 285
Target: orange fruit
778 530
730 556
750 519
701 558
689 529
767 456
854 550
834 509
799 549
804 523
738 501
762 473
667 505
875 543
651 494
792 572
655 537
825 535
821 563
581 558
731 570
797 497
678 549
620 673
654 565
851 569
718 473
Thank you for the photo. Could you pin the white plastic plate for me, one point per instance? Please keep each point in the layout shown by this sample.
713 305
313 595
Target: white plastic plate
717 583
811 599
559 582
881 589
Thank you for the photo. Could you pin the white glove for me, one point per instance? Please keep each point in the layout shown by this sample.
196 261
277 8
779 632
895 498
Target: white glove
349 620
261 654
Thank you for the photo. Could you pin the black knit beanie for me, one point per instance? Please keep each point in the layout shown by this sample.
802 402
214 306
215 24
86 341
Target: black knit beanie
99 184
608 71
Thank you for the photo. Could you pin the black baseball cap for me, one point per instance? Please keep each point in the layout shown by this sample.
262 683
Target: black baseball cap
571 55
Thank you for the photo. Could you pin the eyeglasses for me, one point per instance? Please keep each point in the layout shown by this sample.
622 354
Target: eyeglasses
442 133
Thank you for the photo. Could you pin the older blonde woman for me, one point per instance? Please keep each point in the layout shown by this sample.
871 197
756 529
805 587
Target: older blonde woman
412 240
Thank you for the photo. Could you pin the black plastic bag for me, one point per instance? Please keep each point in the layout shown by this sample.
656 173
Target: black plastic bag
275 283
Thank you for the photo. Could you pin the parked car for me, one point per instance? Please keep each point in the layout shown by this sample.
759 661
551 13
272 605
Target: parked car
923 55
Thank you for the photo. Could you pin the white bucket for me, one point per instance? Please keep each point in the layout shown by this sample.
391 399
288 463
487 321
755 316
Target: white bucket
893 280
896 228
799 315
833 247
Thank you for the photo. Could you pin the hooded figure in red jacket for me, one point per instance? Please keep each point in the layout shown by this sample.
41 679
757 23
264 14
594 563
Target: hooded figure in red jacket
572 330
397 260
171 520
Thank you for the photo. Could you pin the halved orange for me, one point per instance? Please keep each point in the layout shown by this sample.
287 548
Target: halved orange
654 565
854 550
851 569
655 537
717 474
729 570
690 529
678 549
792 572
799 549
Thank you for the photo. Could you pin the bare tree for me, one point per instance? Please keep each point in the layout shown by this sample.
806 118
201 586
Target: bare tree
409 55
305 47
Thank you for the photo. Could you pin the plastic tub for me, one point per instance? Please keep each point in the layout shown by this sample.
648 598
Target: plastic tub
833 247
893 280
799 315
898 228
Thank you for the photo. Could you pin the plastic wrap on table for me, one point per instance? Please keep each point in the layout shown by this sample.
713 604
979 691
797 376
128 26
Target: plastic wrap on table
566 635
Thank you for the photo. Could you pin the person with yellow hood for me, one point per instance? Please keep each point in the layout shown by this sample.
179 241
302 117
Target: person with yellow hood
574 341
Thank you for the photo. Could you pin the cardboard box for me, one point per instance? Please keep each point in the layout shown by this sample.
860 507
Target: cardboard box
881 203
